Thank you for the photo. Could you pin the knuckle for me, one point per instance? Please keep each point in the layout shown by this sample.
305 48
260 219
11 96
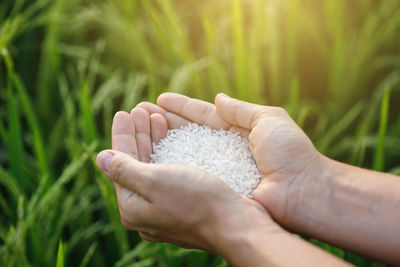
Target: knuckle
202 110
258 116
117 169
236 114
209 117
204 113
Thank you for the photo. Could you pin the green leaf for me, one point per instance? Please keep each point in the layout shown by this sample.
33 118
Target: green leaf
60 254
379 156
34 126
88 122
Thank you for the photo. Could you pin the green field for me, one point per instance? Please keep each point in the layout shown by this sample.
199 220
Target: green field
67 66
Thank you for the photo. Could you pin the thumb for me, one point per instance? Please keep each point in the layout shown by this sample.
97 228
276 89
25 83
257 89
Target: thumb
125 170
238 113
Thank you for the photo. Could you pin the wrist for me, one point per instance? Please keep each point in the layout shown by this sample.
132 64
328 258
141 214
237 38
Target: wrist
313 195
249 237
251 247
238 232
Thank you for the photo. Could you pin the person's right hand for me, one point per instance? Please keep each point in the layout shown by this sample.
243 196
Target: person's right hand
284 155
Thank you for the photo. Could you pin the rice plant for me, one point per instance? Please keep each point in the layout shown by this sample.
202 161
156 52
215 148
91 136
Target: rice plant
67 66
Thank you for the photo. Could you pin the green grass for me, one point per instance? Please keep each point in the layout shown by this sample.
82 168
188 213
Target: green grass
60 255
379 159
67 66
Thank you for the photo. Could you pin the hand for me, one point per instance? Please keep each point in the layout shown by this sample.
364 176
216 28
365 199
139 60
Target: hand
346 206
283 153
171 203
190 207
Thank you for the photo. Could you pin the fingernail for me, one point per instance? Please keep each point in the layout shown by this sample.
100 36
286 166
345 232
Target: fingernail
105 159
224 96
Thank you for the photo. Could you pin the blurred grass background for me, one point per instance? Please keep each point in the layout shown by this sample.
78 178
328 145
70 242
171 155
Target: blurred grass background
67 66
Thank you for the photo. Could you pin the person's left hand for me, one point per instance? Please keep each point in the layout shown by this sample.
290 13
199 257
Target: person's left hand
172 203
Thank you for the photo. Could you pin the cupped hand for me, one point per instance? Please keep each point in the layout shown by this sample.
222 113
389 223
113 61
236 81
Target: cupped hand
171 203
284 155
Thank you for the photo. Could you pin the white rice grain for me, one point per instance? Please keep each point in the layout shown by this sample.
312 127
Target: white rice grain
220 152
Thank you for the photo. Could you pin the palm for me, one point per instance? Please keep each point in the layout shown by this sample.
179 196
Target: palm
146 204
134 133
281 151
279 146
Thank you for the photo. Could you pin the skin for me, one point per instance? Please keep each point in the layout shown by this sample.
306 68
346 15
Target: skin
301 189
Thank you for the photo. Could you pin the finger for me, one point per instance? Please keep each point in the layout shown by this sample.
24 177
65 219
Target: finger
195 110
123 134
240 113
141 120
123 139
122 194
174 121
159 127
127 172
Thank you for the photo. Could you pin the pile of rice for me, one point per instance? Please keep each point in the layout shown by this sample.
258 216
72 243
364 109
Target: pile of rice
220 152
